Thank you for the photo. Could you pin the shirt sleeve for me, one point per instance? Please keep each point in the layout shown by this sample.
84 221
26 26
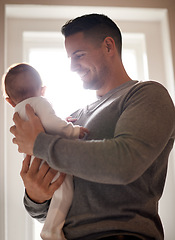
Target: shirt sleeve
144 130
36 210
54 124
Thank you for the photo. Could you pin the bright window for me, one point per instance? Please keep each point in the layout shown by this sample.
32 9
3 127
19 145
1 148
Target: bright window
63 87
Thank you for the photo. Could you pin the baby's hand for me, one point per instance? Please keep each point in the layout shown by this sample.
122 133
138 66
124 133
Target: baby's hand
83 132
71 119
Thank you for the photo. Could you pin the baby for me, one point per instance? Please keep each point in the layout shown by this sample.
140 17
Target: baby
23 85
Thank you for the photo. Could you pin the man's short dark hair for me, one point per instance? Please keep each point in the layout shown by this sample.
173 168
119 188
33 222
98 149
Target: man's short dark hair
96 26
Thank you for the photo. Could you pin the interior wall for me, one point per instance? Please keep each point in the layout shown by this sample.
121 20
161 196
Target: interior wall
2 152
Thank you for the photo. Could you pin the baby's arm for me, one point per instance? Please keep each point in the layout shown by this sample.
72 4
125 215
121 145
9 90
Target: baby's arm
83 131
55 125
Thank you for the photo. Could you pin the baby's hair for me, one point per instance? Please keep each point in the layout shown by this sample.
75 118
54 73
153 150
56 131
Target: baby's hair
30 82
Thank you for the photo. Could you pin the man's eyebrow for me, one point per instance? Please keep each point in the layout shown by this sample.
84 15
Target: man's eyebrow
74 53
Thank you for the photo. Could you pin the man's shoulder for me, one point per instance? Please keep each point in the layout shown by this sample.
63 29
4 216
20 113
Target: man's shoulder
148 86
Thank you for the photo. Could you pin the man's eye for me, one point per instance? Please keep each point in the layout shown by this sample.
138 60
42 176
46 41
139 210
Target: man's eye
80 55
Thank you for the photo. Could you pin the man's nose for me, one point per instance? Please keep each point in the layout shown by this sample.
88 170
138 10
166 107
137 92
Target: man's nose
74 65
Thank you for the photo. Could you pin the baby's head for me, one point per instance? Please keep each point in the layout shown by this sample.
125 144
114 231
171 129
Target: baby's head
21 81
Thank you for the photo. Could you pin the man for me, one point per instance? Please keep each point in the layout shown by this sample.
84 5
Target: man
120 169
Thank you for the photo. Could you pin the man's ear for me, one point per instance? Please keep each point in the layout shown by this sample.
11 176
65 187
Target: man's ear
9 100
109 44
43 89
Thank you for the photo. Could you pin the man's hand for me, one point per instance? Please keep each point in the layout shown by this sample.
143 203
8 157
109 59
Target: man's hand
25 132
38 180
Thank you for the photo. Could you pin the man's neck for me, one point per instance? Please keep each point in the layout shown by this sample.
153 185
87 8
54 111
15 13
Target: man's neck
105 89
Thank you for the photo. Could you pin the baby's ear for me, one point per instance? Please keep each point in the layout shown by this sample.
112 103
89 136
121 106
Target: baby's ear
43 89
9 100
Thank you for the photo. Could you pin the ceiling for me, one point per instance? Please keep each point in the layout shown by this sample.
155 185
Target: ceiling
68 12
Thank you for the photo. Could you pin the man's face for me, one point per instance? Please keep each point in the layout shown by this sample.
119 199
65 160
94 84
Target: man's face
87 59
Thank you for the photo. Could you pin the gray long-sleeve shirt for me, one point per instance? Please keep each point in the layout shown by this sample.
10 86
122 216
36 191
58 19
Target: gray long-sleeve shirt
120 170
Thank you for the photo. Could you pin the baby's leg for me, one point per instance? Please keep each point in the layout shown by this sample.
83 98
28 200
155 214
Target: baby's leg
56 177
59 207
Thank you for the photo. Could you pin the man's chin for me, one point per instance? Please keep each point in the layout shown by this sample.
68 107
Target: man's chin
85 86
89 86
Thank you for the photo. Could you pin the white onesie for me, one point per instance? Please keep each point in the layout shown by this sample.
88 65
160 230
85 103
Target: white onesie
62 198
